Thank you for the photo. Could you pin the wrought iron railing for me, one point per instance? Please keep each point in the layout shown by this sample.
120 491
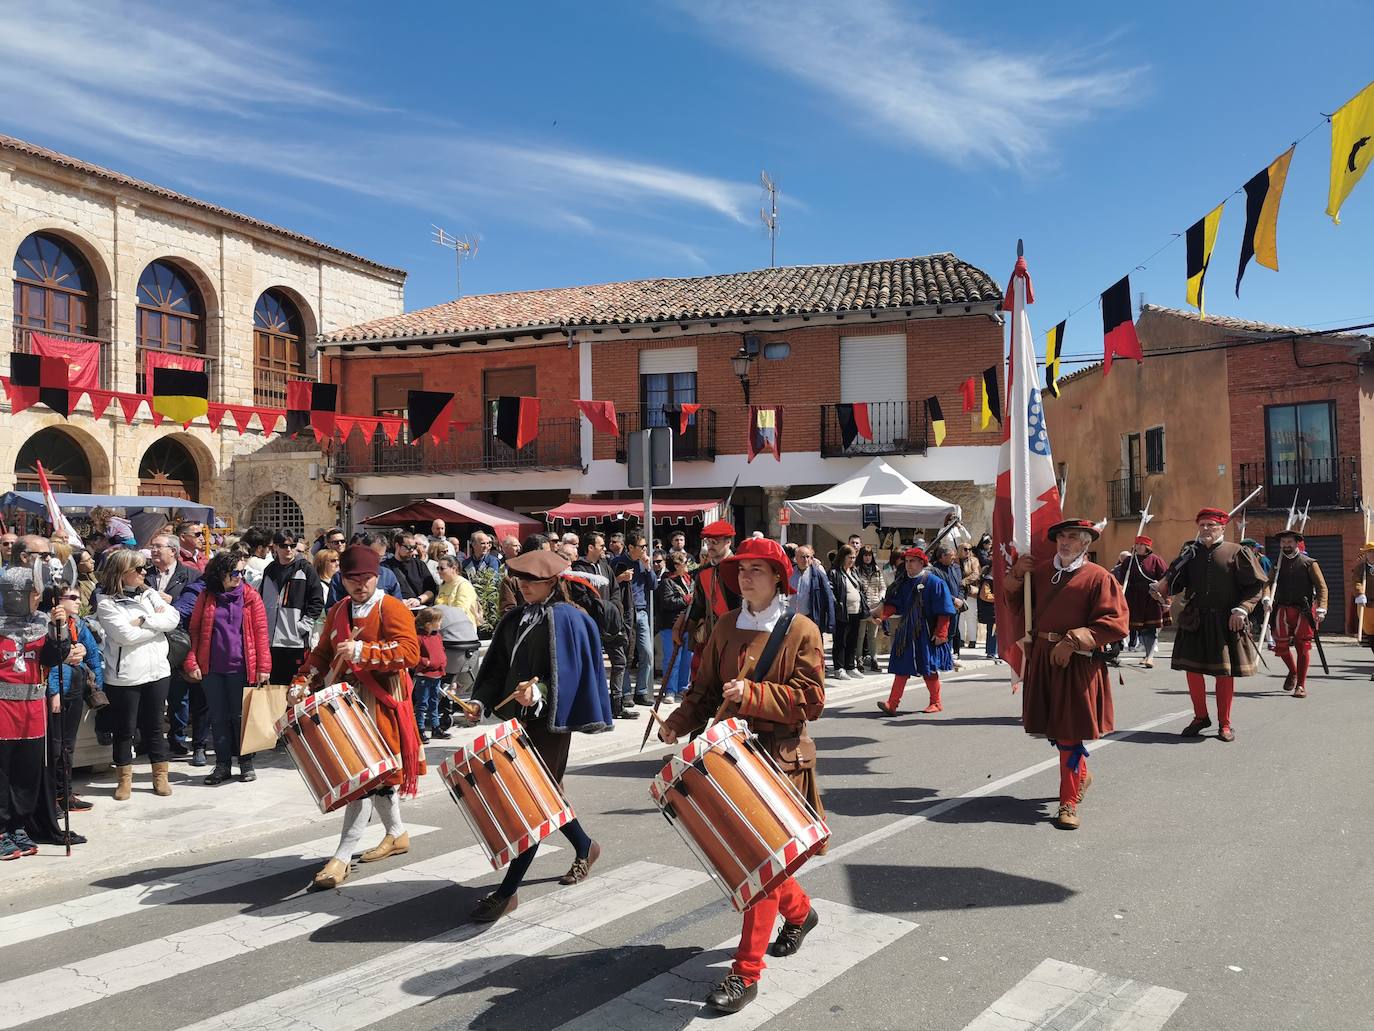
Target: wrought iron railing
23 344
698 444
269 385
471 450
899 428
1325 482
1123 497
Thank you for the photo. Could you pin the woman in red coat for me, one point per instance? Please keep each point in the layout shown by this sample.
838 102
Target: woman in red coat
230 650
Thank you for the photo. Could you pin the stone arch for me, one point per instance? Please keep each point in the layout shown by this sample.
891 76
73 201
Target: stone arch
277 510
66 439
310 321
96 258
169 462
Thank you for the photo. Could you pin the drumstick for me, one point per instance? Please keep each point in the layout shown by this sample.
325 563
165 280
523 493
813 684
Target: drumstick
720 713
511 697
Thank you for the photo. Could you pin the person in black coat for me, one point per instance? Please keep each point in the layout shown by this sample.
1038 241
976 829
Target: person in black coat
417 582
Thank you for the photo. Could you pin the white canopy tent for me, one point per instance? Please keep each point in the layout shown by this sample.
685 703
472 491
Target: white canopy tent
900 502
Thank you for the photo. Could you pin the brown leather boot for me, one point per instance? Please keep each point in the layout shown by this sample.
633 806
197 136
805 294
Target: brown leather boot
160 785
125 786
1067 819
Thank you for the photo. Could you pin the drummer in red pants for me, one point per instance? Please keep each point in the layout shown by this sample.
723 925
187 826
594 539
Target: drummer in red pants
777 703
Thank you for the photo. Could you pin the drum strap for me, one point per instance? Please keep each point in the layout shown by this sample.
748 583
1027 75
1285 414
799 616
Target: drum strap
771 647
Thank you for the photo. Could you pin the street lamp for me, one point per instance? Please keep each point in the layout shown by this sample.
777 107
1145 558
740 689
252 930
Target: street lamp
740 363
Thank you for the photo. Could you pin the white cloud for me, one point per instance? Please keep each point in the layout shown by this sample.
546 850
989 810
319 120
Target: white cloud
966 100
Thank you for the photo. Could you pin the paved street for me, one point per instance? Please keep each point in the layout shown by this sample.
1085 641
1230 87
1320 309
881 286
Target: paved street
1212 886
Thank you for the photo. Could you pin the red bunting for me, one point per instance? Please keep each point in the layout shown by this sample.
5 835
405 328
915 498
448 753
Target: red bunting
214 415
391 426
157 417
685 418
129 404
368 427
601 414
268 419
242 414
19 399
345 424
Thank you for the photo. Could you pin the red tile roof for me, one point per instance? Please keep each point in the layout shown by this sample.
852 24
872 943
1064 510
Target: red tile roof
937 279
76 164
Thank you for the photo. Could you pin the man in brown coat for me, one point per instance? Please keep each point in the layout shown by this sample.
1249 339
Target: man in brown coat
1298 599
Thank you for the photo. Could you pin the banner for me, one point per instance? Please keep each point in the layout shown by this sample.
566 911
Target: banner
82 358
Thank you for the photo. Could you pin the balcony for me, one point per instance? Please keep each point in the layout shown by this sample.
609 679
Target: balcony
1325 482
899 428
22 344
269 385
698 444
141 384
1123 497
473 450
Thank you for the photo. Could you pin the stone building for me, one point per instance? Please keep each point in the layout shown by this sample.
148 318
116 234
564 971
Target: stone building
94 255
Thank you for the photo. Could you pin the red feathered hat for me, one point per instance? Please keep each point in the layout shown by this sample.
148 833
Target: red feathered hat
760 549
915 552
1214 514
720 528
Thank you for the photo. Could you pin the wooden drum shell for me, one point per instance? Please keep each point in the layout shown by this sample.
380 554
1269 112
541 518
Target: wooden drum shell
336 746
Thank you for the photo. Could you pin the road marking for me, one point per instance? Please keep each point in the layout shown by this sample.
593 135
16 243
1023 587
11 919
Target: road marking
164 891
371 992
848 848
59 989
1060 995
674 1000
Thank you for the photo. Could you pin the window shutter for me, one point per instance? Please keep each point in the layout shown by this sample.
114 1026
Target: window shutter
668 359
873 368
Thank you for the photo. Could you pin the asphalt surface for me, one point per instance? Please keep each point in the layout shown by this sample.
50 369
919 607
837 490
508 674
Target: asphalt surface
1236 879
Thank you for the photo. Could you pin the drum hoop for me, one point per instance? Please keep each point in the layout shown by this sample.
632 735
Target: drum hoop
308 704
679 764
374 772
482 742
527 841
780 860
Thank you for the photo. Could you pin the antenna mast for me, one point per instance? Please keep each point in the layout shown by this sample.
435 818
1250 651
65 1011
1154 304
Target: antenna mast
769 214
462 249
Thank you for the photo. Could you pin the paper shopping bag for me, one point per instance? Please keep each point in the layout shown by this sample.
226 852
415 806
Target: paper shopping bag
262 707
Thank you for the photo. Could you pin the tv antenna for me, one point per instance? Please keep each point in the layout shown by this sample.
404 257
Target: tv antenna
769 214
462 249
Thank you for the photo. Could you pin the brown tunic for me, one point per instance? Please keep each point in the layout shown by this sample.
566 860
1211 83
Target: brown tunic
1361 582
1214 581
1073 702
777 709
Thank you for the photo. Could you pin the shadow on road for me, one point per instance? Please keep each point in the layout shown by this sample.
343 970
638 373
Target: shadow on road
873 801
911 890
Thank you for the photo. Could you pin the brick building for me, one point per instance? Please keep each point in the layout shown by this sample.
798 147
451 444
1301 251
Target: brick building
94 255
1219 407
890 333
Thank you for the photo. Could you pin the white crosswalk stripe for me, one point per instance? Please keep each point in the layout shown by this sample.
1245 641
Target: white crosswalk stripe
674 1000
1057 996
134 898
400 980
92 980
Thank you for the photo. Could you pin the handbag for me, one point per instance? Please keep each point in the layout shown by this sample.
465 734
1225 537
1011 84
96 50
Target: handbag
178 647
262 707
985 592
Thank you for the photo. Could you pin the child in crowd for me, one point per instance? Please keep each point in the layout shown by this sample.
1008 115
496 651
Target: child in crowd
429 673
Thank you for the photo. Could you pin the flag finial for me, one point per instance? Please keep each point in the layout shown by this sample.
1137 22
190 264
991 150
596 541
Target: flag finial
1020 247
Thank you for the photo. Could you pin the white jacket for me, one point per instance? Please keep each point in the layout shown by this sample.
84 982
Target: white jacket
135 655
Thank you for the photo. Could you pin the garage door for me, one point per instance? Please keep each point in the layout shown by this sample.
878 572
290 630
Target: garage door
1326 549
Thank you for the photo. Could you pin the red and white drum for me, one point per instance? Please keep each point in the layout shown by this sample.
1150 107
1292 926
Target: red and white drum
336 746
743 817
505 792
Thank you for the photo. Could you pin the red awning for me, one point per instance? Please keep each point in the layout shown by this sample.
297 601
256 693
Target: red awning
500 521
668 510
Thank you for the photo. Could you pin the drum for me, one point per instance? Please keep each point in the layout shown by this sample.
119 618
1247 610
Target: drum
743 817
336 747
505 792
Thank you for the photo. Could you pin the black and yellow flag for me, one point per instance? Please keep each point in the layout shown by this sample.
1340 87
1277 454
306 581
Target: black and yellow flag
992 400
1352 143
1201 238
937 419
1054 347
180 394
1262 195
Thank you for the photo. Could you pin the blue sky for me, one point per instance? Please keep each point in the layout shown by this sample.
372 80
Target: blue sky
588 142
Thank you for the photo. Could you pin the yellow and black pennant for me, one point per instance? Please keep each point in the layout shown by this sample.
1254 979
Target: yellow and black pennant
1201 238
992 400
180 394
937 419
1352 148
1262 195
1054 347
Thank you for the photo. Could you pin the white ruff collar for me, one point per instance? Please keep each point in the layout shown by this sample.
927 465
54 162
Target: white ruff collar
765 620
365 609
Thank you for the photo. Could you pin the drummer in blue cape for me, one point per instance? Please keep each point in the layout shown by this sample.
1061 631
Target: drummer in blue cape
544 667
777 702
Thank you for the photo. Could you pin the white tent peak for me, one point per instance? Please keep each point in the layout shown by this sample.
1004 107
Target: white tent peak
901 502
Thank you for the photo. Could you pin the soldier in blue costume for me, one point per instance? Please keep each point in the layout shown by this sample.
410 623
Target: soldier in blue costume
920 646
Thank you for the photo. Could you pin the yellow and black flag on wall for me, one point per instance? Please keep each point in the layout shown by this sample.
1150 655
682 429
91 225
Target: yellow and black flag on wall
1262 195
1201 238
1352 147
1054 347
937 419
180 394
992 401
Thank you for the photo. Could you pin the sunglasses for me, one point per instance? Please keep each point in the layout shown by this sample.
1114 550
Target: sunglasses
236 574
71 597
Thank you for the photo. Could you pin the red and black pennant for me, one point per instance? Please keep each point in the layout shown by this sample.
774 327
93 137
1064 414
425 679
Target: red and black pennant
429 411
39 379
1119 339
853 420
312 404
681 416
517 420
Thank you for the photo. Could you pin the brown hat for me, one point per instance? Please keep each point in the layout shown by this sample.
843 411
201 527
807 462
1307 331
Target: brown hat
359 560
537 565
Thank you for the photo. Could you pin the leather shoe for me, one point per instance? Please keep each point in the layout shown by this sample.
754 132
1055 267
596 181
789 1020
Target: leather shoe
1226 734
198 757
220 775
493 908
732 994
890 710
581 869
1289 681
177 748
388 846
1198 725
625 712
1067 820
646 702
334 873
792 935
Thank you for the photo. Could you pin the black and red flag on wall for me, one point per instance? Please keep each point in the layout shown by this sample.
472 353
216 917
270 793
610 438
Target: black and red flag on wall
517 420
765 431
680 416
429 411
312 404
853 420
39 379
1118 327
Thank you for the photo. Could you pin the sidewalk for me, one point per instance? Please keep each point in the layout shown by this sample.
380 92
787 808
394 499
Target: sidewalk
147 831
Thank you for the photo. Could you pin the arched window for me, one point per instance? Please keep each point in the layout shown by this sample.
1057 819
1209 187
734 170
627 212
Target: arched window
54 289
63 460
168 471
171 313
278 511
278 347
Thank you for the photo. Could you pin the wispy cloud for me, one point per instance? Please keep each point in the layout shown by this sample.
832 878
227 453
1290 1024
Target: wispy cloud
963 99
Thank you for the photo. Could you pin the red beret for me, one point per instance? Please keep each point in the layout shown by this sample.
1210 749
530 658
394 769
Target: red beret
720 528
1086 525
914 552
760 549
1145 541
359 560
1214 514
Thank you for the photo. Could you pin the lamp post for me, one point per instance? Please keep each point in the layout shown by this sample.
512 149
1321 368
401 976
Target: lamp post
740 363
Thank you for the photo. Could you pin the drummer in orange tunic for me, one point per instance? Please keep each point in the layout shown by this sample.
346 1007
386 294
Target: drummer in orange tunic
369 640
1077 608
777 709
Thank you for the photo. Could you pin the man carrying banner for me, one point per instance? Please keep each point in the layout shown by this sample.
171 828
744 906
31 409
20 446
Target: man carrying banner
1221 582
1298 598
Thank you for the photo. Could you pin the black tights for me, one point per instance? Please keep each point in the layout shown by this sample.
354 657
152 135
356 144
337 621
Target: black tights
520 865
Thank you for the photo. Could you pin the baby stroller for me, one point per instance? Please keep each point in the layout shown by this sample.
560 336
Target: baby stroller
460 648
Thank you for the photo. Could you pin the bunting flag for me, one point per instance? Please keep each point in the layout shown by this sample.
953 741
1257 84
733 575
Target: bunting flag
368 428
1262 195
1118 328
36 379
1352 140
1054 347
391 426
992 399
81 356
179 394
268 419
681 415
311 404
937 419
100 400
601 414
1200 238
969 390
242 414
517 420
854 422
58 519
429 411
765 431
214 415
128 404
